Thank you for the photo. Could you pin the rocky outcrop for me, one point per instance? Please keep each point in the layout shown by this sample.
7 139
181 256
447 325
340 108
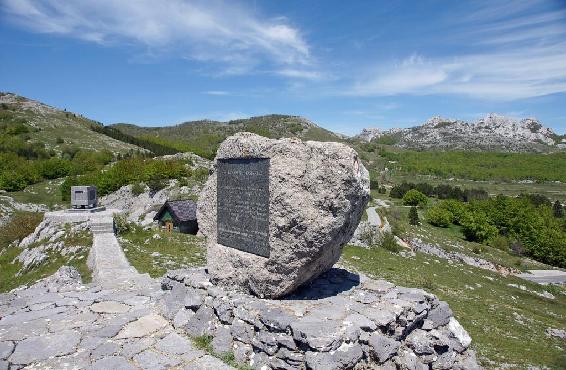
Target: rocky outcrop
339 321
368 134
493 132
317 193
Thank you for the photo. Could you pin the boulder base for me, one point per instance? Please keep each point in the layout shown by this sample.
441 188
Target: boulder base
317 194
340 320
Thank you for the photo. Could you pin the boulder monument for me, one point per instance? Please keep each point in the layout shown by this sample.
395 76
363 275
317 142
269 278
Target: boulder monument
276 213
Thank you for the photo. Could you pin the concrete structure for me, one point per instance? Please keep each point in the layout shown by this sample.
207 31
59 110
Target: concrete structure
83 197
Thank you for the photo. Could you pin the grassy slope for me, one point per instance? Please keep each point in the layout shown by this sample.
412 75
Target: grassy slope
22 224
507 324
175 250
51 124
203 137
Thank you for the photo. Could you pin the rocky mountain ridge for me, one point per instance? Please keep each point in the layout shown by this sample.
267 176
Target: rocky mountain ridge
493 132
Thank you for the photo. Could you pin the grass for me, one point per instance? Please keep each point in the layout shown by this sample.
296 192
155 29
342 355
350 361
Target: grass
167 252
204 342
507 324
45 192
20 225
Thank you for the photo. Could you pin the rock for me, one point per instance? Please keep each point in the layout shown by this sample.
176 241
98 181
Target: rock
222 340
42 348
142 327
557 333
419 342
382 348
109 307
112 362
318 192
208 362
440 315
174 344
202 323
345 357
151 360
6 349
182 318
460 334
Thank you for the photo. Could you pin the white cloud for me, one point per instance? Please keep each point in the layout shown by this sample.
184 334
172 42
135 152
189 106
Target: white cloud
300 73
214 31
506 52
216 92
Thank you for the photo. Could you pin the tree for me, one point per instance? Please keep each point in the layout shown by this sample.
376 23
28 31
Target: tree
476 227
558 209
438 216
415 198
414 216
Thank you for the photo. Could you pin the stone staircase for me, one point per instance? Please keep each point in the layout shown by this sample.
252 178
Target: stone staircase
102 226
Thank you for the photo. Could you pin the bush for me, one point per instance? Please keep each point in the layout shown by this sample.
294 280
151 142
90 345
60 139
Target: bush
558 209
388 242
439 217
415 198
476 227
138 188
414 216
500 242
121 223
382 190
59 140
456 208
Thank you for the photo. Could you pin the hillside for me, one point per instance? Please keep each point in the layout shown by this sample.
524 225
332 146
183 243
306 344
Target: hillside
203 137
491 133
54 128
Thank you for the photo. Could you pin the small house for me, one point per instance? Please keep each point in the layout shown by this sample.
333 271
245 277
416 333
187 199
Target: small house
83 197
178 215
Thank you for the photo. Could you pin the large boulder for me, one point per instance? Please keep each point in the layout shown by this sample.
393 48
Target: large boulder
317 193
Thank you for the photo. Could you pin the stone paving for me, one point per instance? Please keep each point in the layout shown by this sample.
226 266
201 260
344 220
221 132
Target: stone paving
60 323
113 323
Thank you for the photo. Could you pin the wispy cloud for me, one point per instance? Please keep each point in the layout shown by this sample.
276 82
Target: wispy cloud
218 31
300 73
216 93
522 54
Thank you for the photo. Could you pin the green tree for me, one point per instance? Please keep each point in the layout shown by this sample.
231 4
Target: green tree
476 227
438 216
414 216
415 198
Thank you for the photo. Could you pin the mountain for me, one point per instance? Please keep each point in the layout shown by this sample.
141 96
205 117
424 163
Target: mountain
54 127
203 137
493 132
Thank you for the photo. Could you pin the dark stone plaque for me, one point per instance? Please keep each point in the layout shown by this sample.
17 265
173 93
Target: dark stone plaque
242 195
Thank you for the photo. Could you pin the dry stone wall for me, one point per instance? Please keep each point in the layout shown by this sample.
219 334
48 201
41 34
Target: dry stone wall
339 321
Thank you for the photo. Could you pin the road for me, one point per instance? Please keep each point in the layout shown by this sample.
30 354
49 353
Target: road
373 217
545 276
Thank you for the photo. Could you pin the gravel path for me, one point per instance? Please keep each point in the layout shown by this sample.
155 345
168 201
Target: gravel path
373 217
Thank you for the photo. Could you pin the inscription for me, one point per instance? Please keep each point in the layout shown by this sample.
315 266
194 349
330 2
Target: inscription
242 194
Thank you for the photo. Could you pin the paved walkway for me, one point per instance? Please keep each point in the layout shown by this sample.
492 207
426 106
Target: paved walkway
373 217
545 276
114 323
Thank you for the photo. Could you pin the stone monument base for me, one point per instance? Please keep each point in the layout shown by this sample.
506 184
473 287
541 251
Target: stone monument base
339 321
86 210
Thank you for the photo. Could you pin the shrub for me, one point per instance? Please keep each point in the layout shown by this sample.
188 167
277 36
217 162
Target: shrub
415 198
382 190
456 208
138 188
439 217
59 140
476 227
500 242
414 216
388 242
121 223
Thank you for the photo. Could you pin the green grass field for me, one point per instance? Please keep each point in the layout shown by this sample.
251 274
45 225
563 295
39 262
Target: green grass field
507 324
167 252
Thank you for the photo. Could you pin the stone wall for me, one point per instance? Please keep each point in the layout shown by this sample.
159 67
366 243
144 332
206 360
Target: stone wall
339 321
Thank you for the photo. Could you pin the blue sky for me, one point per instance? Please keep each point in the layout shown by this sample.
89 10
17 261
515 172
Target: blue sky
344 65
